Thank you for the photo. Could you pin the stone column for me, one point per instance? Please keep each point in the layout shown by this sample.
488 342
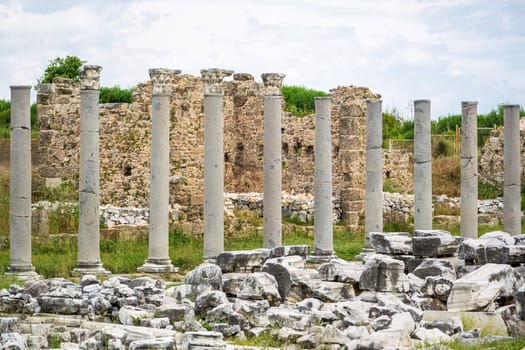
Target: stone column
213 161
20 185
323 203
272 167
89 184
374 170
511 170
158 260
469 170
422 166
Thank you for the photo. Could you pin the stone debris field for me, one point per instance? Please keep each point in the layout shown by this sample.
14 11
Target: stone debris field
419 290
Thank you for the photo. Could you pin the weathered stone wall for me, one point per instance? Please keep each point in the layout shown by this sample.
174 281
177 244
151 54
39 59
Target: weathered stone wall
491 160
125 143
398 170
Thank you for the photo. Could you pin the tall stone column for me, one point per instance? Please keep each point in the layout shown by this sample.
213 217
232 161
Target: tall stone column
511 170
158 260
469 170
422 166
20 185
213 161
374 170
89 179
323 203
272 167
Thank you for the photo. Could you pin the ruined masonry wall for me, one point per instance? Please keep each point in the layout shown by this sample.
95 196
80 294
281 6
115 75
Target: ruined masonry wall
125 144
491 160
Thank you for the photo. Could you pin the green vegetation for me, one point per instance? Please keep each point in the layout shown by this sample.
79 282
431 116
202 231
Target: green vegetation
114 94
264 340
512 344
394 127
62 67
299 100
489 191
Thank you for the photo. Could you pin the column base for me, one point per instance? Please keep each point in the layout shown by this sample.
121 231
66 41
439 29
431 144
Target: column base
22 272
320 256
158 266
364 252
209 259
89 269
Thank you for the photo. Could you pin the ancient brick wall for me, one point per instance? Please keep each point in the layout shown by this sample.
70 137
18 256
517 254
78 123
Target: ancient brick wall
491 160
125 143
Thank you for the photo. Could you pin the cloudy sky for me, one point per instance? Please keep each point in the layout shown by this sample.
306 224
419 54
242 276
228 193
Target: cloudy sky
445 50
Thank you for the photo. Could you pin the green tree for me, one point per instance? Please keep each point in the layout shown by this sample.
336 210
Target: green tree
5 113
62 67
299 100
114 94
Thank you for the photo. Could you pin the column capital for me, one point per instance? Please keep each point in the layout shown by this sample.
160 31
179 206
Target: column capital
160 78
213 79
272 83
89 77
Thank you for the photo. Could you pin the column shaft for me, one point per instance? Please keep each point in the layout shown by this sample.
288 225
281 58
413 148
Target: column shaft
422 166
89 187
323 216
158 253
20 183
511 170
374 169
469 170
213 175
272 169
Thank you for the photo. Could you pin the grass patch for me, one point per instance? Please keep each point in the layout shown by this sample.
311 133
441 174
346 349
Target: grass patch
264 340
489 191
446 176
514 344
7 281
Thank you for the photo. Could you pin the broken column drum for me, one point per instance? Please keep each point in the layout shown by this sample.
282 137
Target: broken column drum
158 260
20 184
511 170
374 170
422 166
89 178
272 164
213 161
469 170
323 217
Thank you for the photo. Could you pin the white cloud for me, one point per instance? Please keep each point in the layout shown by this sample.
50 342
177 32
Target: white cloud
403 49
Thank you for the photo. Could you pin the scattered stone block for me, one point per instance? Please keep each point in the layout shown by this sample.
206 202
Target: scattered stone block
435 267
232 282
243 260
287 250
477 290
382 273
435 243
339 270
260 286
207 274
203 340
392 243
284 317
209 300
334 291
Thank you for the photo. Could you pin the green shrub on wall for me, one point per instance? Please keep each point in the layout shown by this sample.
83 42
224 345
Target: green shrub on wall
299 100
114 94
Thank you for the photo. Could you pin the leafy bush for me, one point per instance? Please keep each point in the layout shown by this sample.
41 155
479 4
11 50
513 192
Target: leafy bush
489 191
443 148
5 113
299 100
446 176
62 67
114 94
